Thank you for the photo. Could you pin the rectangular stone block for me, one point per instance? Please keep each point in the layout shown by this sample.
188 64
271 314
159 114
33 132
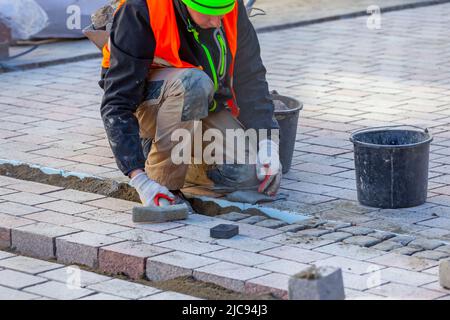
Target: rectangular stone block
11 294
127 258
28 265
174 264
403 262
67 207
240 257
82 248
38 240
17 209
27 198
65 275
274 283
74 195
113 204
7 223
99 227
58 290
145 236
228 275
444 274
55 218
18 280
190 246
124 289
295 254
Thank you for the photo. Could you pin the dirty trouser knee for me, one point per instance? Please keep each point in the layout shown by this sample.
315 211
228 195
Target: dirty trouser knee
175 98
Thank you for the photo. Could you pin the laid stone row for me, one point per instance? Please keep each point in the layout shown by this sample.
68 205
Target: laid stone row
319 229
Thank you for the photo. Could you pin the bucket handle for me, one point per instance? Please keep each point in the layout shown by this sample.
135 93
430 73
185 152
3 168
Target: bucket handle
394 126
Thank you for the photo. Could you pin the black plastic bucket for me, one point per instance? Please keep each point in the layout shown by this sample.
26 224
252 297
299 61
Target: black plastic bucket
287 111
391 165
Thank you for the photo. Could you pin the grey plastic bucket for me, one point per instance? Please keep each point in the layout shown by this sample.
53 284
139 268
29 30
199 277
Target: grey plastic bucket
287 113
391 165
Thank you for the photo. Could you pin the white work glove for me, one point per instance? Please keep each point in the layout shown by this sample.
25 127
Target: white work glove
268 167
151 192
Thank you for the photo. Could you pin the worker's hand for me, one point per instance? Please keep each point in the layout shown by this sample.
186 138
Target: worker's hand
149 189
268 167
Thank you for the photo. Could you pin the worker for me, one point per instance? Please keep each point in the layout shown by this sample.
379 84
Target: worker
171 64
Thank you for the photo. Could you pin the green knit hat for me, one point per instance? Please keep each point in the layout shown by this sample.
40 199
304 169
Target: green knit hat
211 7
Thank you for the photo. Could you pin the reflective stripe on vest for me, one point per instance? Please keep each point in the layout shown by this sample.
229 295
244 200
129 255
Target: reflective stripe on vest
165 29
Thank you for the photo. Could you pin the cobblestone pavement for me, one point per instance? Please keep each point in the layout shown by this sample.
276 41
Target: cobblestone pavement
80 228
25 278
348 76
292 11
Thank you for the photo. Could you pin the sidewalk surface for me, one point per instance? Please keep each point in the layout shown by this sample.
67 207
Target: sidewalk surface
348 76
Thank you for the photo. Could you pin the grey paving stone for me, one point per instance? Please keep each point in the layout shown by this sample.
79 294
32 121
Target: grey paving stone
170 295
387 246
11 294
357 231
4 255
233 216
28 265
408 251
290 228
253 219
102 297
58 290
64 274
425 244
18 280
311 223
336 236
313 232
382 235
403 239
363 241
271 223
445 248
431 254
124 289
336 225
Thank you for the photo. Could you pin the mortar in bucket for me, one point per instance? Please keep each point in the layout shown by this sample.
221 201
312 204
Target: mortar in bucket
287 111
391 165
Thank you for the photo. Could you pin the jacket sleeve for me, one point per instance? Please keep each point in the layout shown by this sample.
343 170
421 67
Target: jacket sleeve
250 85
132 47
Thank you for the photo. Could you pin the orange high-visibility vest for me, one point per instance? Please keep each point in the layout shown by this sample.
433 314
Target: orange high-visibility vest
165 29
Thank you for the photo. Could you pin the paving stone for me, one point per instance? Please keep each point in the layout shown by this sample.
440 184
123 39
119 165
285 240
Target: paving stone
233 216
357 231
271 223
54 218
17 209
67 207
33 187
82 248
403 262
74 195
382 235
444 274
4 191
247 244
336 236
27 198
408 251
124 289
7 223
295 254
364 241
404 240
239 257
401 291
11 294
407 277
128 258
311 223
443 223
228 275
253 219
4 255
170 295
102 297
114 217
349 265
38 240
18 280
336 225
28 265
294 240
445 248
362 282
291 228
58 290
174 264
66 274
387 246
190 246
425 244
255 232
283 266
146 236
99 227
313 232
350 251
275 283
431 254
112 204
189 232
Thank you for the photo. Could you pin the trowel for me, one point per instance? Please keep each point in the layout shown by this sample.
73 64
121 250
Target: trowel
165 209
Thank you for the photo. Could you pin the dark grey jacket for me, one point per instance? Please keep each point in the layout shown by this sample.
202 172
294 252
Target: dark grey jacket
132 46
